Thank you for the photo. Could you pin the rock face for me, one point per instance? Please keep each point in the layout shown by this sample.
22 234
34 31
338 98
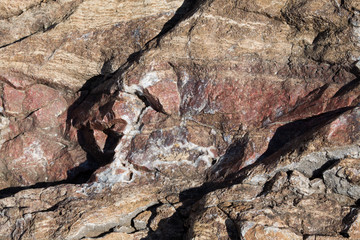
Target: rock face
203 119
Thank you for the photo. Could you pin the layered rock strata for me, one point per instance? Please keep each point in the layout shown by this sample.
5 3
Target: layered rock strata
218 119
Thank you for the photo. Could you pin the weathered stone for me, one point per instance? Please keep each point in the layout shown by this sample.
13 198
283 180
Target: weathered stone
354 229
141 220
31 158
174 119
342 178
57 36
13 99
122 236
253 231
38 96
164 96
163 212
302 185
48 117
211 224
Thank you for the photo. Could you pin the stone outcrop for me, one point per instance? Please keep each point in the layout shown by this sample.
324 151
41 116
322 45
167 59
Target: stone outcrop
204 119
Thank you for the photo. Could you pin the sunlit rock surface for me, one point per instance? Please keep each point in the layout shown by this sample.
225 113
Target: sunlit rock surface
166 119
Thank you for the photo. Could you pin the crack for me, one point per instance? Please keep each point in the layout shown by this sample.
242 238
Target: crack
17 41
313 96
285 135
269 185
13 138
348 220
44 28
54 207
151 101
231 229
102 90
101 235
319 172
265 14
7 192
188 47
286 139
347 88
186 10
153 210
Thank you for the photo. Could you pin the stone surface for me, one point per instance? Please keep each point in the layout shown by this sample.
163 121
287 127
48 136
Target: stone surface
218 119
343 178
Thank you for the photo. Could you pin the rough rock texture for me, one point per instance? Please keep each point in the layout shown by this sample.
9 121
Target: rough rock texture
167 119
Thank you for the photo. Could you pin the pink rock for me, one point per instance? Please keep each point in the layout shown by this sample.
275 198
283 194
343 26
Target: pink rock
18 80
38 96
345 129
47 117
13 99
151 117
30 158
127 107
164 96
19 127
100 138
67 129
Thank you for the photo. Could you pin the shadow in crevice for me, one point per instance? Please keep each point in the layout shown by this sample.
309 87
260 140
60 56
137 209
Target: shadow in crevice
186 10
348 220
347 87
231 160
7 192
350 85
289 136
286 139
231 229
97 97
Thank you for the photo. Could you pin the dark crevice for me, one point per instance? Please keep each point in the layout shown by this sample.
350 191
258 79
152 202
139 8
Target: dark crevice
231 229
153 210
63 19
31 113
102 234
319 172
44 29
287 135
13 138
17 41
154 102
143 99
186 10
269 185
310 98
321 36
348 220
98 94
53 208
150 101
7 192
286 139
306 236
347 87
231 159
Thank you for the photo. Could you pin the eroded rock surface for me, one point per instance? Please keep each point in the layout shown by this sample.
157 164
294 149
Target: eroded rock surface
205 119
